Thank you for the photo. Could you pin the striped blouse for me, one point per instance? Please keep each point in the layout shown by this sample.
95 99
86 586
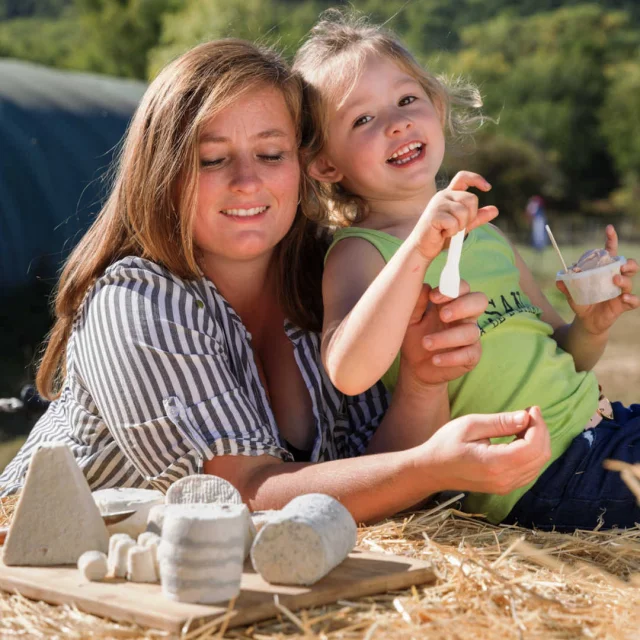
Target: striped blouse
161 376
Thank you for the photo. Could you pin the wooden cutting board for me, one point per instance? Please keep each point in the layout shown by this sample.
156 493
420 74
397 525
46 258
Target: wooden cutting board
361 574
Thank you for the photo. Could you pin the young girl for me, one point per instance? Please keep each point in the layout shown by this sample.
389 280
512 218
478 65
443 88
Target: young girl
375 145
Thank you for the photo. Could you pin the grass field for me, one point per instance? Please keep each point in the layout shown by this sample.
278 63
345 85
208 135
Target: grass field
619 368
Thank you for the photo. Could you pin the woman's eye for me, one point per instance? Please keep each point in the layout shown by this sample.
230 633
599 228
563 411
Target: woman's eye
271 157
204 163
406 100
362 120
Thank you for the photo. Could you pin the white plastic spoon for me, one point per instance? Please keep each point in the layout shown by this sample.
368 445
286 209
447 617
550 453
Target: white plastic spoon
450 276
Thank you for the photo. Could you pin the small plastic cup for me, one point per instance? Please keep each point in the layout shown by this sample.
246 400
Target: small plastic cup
594 285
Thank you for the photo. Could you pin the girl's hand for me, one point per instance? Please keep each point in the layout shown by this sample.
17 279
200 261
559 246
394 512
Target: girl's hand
450 211
598 318
442 341
461 457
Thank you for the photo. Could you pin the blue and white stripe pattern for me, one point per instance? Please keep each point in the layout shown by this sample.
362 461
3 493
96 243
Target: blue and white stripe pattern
160 376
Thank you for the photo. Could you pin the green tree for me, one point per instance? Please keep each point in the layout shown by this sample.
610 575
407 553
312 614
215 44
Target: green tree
544 77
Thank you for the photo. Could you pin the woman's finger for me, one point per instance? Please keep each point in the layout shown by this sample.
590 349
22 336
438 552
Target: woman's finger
461 335
464 358
624 282
471 305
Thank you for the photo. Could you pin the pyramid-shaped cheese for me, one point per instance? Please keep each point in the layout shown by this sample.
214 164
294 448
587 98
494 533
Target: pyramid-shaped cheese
56 519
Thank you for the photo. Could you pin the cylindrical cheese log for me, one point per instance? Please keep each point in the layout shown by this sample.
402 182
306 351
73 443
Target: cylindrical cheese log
140 565
202 488
155 518
125 499
260 518
93 565
202 552
312 534
118 557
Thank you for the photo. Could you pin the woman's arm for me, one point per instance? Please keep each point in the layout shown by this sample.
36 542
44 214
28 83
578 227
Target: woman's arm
458 457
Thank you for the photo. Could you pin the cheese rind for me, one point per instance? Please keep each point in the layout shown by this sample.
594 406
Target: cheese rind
56 519
127 499
202 489
312 534
93 565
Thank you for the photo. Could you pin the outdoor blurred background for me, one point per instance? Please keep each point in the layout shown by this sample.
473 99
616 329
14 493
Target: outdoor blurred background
560 81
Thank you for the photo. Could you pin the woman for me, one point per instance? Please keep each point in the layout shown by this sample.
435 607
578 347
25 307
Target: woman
184 339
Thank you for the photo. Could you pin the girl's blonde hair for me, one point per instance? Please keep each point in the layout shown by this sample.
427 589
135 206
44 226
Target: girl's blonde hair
150 210
330 63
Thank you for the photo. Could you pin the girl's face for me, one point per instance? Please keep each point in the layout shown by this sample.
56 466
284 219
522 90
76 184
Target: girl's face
385 143
248 179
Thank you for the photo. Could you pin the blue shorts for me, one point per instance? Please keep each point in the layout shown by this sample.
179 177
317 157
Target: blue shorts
576 491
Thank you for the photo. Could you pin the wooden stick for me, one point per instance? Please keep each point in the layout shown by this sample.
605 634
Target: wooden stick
555 246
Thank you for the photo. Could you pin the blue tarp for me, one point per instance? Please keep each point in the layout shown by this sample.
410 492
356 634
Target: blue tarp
58 134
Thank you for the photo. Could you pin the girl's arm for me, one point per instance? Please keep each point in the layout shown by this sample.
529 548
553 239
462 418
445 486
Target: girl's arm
586 337
368 304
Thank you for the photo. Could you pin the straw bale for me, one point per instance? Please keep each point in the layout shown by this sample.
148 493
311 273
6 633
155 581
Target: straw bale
494 582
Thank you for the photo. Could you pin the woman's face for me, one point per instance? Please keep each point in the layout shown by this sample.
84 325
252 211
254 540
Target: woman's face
248 179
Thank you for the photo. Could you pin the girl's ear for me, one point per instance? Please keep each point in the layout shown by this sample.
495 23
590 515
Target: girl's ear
323 171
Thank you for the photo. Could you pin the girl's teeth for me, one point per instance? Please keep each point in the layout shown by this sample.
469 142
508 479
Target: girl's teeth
407 149
244 212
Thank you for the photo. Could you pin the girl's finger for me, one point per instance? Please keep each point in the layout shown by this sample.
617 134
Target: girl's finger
624 282
630 268
461 335
465 179
485 214
630 301
611 241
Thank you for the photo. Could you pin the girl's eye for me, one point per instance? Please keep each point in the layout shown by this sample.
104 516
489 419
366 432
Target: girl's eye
406 100
362 120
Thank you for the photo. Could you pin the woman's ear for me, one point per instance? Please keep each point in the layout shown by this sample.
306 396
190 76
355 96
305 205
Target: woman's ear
322 170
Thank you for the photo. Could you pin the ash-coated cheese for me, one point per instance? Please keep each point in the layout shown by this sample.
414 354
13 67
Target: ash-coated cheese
127 499
140 564
56 519
202 488
312 534
202 552
93 565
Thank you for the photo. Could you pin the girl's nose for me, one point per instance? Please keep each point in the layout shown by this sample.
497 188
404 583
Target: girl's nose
398 124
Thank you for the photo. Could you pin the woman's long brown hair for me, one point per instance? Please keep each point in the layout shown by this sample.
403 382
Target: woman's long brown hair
151 206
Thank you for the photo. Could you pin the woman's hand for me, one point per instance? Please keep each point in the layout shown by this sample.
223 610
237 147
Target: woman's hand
460 456
597 319
442 341
449 211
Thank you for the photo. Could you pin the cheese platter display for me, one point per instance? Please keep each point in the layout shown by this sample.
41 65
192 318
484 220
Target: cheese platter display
188 557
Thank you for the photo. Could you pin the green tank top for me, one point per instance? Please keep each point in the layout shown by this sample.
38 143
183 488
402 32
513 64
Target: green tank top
521 364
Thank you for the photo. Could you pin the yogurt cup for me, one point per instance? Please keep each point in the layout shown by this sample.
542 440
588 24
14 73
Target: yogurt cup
594 285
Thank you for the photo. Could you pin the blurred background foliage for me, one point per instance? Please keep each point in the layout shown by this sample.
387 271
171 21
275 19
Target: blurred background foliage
560 78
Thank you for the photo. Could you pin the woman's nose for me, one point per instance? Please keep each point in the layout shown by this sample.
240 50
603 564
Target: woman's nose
245 177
